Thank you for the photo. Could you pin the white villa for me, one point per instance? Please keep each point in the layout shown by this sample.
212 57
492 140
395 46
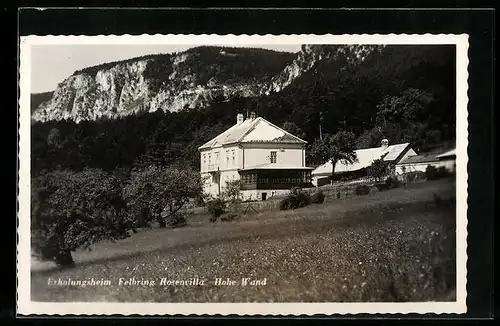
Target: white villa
389 153
267 159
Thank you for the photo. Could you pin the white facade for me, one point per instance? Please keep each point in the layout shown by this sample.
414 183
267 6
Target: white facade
254 143
422 166
226 160
256 154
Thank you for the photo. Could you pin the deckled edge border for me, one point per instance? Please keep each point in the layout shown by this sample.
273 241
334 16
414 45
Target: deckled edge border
26 307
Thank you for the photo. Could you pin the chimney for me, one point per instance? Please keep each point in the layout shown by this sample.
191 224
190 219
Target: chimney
239 118
252 115
384 143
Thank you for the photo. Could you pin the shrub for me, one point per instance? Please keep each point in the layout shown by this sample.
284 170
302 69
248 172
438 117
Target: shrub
199 201
392 182
362 190
442 172
233 191
430 172
382 186
229 217
295 199
414 176
285 204
176 220
433 173
318 197
378 169
216 207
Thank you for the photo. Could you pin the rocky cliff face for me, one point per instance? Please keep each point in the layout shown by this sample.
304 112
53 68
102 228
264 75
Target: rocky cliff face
190 79
310 55
126 89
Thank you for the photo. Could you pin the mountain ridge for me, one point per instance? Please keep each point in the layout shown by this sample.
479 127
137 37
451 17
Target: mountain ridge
190 79
167 82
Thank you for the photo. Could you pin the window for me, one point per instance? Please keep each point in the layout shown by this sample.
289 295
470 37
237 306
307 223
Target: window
227 158
263 180
273 157
246 178
249 178
204 160
234 157
217 158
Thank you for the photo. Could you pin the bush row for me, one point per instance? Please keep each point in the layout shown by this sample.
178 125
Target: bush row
389 183
299 198
433 173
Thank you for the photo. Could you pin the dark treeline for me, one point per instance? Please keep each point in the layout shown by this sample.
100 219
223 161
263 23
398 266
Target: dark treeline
403 93
39 98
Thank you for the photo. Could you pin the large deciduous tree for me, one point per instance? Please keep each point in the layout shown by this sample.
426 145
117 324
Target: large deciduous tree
336 148
71 210
159 193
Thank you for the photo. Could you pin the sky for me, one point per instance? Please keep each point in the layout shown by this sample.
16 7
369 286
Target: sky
51 64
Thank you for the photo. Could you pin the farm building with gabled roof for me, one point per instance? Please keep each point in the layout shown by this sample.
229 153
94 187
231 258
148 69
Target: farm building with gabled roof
437 158
365 157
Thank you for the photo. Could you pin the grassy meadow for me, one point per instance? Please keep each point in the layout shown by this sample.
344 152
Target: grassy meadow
395 245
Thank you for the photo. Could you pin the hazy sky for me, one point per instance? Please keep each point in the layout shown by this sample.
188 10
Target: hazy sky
51 64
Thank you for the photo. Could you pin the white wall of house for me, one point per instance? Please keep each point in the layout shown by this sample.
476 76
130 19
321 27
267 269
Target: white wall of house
256 194
212 187
286 154
227 159
315 179
223 157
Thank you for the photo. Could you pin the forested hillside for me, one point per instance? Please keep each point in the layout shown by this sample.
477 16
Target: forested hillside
403 93
39 98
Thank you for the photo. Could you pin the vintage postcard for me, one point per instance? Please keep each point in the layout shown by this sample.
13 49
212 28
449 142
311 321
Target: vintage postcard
242 174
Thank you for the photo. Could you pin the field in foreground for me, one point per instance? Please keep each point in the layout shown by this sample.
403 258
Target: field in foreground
396 245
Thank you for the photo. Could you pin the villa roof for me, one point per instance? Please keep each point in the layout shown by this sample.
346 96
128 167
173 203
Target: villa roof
257 130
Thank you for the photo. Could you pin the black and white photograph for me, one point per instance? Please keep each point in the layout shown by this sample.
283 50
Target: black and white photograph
247 174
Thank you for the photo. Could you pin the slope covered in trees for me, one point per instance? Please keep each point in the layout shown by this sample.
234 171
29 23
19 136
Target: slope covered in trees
403 93
39 98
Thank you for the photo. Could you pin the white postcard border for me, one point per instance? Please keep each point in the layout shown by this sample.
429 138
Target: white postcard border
27 307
